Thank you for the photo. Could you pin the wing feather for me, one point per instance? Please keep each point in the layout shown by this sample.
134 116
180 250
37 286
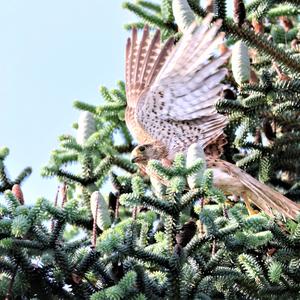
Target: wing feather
186 46
160 60
141 56
127 60
144 60
150 57
177 88
133 54
196 99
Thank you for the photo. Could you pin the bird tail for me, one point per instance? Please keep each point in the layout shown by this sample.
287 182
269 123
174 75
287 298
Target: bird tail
267 198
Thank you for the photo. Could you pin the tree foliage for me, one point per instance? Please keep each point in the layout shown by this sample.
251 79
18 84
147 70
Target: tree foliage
114 233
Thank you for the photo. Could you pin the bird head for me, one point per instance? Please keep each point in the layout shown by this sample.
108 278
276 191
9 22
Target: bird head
143 153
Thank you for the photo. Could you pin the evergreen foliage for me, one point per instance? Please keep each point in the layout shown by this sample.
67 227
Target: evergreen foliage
140 240
5 182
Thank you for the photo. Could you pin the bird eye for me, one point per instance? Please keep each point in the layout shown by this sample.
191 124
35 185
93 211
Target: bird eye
142 148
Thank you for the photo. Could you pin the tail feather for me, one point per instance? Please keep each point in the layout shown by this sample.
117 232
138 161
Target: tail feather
267 198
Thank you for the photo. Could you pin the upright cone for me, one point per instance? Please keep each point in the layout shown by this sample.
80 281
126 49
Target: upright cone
16 190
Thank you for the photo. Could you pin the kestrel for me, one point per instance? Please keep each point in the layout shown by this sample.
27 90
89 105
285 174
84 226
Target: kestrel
171 96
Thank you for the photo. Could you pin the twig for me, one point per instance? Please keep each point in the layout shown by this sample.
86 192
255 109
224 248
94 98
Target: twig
94 235
55 205
9 294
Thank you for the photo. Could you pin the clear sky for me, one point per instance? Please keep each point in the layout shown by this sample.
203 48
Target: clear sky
51 53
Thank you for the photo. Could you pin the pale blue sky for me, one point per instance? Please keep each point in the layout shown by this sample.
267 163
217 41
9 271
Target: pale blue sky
51 53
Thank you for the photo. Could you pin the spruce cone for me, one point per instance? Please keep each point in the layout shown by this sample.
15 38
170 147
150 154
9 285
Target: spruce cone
86 127
183 14
253 77
16 190
195 151
258 26
240 62
101 214
210 6
286 23
239 12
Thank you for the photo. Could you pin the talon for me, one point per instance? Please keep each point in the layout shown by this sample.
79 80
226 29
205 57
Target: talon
250 210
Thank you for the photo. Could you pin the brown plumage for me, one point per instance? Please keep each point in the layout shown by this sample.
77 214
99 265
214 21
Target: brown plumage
233 180
171 97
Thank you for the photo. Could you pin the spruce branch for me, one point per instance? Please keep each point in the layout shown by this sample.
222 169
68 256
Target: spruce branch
256 41
190 197
195 244
84 106
150 257
150 19
137 25
150 5
220 8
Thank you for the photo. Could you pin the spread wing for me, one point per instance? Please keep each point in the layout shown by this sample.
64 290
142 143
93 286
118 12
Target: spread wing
172 95
143 62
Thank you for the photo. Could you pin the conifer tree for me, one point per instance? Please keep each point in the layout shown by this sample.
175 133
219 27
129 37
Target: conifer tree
113 233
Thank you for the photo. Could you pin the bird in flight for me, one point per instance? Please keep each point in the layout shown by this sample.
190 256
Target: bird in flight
171 96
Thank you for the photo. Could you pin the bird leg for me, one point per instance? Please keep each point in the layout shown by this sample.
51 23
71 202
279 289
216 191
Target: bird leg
251 211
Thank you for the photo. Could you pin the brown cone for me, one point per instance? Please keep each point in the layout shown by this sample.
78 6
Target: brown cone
286 23
253 77
239 12
16 190
209 6
258 26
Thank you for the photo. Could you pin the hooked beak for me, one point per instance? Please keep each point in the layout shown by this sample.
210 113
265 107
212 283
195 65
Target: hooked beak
138 159
134 159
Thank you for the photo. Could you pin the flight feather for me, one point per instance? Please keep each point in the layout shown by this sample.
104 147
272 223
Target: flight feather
172 90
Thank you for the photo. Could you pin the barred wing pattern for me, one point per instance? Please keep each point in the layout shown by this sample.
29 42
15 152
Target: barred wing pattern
143 61
172 91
